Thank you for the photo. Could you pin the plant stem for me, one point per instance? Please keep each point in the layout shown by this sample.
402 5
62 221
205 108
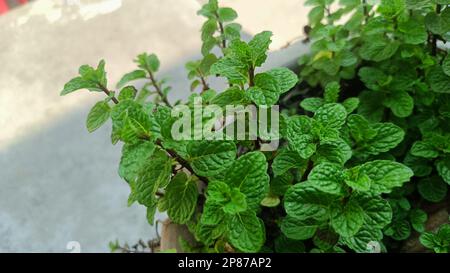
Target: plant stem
365 11
182 162
108 93
434 37
203 80
328 11
251 76
222 32
158 88
205 85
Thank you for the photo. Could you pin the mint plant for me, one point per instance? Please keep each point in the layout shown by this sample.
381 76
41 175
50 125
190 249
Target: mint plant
391 55
354 168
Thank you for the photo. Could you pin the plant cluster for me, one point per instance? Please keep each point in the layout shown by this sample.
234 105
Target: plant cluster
360 165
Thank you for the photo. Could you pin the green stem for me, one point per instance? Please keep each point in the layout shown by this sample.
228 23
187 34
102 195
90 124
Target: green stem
158 88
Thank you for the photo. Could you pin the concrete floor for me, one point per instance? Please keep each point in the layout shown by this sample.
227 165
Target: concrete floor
59 183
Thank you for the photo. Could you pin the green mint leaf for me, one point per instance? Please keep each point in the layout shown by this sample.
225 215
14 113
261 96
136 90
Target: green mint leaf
286 79
360 242
280 184
331 115
209 158
360 128
249 174
388 136
208 45
89 73
155 174
391 8
150 214
399 230
266 92
331 93
374 138
428 240
98 115
439 82
446 66
181 194
375 26
77 84
285 161
132 76
304 201
296 229
258 46
230 68
377 211
299 136
130 120
148 62
206 63
350 104
316 15
444 235
333 150
347 219
413 30
134 158
209 27
424 149
226 14
209 9
400 103
208 233
237 202
246 232
270 201
132 197
378 49
357 179
326 239
420 166
418 219
240 51
432 189
217 195
311 104
438 23
231 96
218 192
443 168
127 93
327 177
386 175
232 31
327 64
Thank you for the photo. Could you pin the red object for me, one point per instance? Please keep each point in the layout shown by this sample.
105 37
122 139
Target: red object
3 6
